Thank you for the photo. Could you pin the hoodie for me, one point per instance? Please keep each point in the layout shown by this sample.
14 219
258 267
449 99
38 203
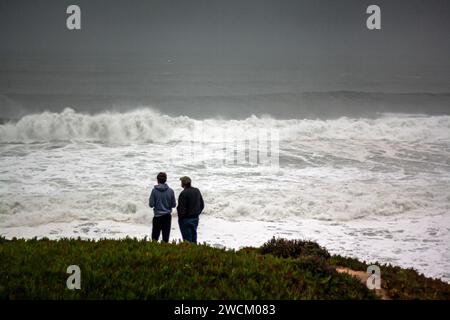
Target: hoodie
162 200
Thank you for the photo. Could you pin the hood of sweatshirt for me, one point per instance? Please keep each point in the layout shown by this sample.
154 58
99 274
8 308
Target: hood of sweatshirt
161 187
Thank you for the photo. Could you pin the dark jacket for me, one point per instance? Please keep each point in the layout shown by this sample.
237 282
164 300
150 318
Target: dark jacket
162 200
190 203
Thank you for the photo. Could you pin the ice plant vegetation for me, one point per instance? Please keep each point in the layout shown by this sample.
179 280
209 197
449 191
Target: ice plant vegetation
139 269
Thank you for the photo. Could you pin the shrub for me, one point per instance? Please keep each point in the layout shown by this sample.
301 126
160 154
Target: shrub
294 249
137 269
400 283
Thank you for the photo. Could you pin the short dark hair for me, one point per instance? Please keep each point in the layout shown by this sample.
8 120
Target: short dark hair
185 181
161 177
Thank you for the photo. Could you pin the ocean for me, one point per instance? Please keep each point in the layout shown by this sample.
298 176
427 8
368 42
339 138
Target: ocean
375 188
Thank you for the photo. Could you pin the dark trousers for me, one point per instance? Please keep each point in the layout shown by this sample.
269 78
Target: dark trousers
188 228
163 224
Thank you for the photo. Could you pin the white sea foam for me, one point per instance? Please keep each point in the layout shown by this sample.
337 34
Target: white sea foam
345 174
147 125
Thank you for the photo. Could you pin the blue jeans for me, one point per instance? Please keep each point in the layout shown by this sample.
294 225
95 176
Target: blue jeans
188 228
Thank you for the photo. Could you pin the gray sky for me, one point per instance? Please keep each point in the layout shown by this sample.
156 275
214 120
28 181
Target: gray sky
292 31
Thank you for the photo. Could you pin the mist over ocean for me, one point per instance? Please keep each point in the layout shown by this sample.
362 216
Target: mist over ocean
232 90
362 118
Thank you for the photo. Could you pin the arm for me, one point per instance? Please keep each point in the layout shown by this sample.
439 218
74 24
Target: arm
181 209
151 200
174 202
202 204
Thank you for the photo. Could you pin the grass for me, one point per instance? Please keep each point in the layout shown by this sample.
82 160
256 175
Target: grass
401 283
139 269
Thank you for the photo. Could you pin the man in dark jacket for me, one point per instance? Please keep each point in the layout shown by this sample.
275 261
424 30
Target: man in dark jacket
190 206
162 200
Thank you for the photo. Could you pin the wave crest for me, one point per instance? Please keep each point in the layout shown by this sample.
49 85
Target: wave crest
147 125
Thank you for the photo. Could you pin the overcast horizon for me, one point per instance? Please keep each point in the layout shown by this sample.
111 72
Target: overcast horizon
238 57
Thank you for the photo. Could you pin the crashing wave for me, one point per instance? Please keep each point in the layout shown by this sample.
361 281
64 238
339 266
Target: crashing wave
147 125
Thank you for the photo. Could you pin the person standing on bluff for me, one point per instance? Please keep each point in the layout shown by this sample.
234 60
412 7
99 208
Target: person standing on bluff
162 200
190 206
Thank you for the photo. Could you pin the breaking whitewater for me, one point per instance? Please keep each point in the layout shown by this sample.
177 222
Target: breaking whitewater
375 189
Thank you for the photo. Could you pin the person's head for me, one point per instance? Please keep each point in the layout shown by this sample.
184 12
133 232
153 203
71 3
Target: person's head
185 182
161 177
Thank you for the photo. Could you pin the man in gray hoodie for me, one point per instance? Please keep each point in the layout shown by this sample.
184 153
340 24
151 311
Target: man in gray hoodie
162 200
